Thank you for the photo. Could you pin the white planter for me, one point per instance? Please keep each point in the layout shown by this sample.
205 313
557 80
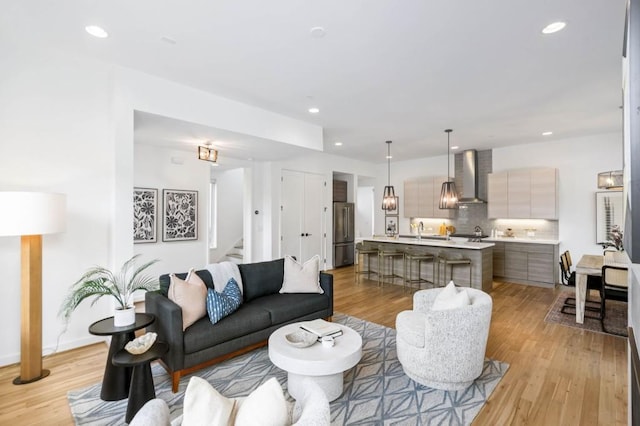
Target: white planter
124 317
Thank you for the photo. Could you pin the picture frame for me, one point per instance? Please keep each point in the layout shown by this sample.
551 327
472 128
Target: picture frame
609 212
395 211
145 214
391 225
180 215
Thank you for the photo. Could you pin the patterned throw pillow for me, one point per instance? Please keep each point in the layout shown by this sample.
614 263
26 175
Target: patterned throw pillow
219 305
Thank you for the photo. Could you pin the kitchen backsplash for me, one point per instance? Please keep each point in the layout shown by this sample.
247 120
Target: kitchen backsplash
471 215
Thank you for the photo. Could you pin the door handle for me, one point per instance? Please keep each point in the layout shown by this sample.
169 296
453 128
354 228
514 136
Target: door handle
345 218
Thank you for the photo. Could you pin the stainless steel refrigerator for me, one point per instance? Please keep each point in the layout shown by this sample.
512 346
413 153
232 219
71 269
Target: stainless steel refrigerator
343 234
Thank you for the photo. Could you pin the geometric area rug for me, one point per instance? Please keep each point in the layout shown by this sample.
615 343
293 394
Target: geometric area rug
615 320
376 390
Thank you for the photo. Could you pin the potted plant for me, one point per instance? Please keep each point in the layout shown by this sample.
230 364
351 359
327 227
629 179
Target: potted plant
99 281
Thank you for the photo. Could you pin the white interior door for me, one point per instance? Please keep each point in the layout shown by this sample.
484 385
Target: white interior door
313 240
291 213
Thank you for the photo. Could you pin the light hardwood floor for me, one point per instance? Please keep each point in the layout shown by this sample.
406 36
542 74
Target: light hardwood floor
557 376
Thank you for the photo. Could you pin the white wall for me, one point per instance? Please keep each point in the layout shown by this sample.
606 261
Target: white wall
364 211
230 189
54 127
66 125
154 168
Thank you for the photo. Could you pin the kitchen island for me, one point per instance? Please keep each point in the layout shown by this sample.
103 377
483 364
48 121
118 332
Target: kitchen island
480 254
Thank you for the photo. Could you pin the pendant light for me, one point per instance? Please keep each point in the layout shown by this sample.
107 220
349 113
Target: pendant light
449 194
389 194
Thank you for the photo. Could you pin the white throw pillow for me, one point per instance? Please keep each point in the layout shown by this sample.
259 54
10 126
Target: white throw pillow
301 278
203 405
190 295
264 406
451 298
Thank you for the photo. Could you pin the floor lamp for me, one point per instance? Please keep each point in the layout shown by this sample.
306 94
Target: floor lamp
30 215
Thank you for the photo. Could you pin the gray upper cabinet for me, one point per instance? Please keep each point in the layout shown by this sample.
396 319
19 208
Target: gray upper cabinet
422 197
523 194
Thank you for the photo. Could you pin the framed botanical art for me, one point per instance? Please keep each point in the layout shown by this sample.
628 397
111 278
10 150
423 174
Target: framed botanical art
391 225
180 215
609 213
145 212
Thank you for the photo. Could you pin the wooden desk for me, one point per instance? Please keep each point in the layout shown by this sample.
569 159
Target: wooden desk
591 264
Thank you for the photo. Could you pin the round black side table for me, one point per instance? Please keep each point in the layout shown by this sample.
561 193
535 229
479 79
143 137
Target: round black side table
142 388
116 380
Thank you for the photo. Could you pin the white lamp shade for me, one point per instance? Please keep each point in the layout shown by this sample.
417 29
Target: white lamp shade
32 213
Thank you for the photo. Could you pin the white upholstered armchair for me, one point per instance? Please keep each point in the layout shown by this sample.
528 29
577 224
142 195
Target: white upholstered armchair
444 349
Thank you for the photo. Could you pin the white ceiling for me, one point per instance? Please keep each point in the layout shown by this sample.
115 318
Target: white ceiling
385 70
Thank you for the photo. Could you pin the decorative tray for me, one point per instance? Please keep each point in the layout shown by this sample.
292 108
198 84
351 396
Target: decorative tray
301 339
141 344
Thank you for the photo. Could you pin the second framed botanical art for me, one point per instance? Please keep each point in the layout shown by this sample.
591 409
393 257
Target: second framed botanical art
145 212
180 215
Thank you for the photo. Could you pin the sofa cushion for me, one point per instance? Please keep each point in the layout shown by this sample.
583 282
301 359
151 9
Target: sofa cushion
286 307
301 278
261 278
190 295
219 305
247 319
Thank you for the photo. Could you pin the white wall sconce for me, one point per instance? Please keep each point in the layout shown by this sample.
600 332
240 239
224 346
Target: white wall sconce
610 180
207 153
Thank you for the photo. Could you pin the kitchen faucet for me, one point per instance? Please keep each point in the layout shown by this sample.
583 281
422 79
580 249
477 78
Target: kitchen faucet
420 229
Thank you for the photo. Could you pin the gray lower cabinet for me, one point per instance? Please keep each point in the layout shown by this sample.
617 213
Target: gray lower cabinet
526 263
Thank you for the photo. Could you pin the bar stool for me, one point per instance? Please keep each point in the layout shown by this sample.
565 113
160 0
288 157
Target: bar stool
364 251
391 255
411 255
445 261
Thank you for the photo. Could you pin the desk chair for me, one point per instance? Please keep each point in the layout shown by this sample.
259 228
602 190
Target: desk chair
614 287
568 278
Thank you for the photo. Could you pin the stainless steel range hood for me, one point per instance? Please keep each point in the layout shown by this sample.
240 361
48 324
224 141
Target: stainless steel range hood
470 178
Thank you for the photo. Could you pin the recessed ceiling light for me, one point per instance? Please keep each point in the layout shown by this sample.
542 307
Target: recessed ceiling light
317 32
96 31
455 147
314 110
554 27
547 133
338 143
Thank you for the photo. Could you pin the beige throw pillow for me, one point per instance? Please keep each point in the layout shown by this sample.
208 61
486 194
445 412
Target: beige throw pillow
190 295
451 298
265 406
203 405
301 278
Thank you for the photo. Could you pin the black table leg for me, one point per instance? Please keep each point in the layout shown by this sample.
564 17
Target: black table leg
116 380
142 389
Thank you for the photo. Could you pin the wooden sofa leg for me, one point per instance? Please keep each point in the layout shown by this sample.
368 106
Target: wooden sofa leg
175 381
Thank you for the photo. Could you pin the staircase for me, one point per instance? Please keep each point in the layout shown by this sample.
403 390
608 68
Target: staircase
236 254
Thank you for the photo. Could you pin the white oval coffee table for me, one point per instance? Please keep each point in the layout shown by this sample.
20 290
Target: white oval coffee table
323 365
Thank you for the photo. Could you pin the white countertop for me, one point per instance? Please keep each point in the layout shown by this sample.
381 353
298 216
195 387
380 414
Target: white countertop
521 240
460 243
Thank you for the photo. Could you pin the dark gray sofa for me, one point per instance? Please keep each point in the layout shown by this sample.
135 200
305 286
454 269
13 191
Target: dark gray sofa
263 310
